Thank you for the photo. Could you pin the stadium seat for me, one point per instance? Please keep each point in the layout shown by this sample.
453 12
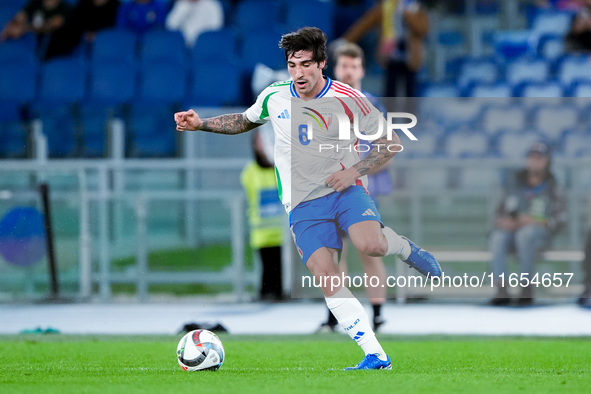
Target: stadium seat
261 47
477 71
550 46
310 13
219 45
526 70
440 90
581 90
574 69
467 144
112 83
497 119
541 89
13 131
63 81
512 44
162 82
428 147
150 131
458 112
21 50
552 22
249 14
115 45
215 83
516 145
59 126
164 45
94 122
496 90
17 81
577 144
554 121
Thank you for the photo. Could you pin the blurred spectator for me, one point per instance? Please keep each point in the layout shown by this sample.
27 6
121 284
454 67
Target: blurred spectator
559 4
579 37
404 26
533 208
265 215
142 15
87 17
40 16
193 17
585 298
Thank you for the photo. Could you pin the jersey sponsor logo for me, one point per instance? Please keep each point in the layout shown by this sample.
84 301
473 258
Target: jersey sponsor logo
284 115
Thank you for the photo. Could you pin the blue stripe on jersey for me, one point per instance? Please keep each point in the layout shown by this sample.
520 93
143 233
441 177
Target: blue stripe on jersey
321 94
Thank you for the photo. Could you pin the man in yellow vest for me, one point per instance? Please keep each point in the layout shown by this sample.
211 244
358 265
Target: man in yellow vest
265 216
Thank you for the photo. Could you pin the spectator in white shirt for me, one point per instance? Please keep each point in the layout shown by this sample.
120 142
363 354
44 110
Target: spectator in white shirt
193 17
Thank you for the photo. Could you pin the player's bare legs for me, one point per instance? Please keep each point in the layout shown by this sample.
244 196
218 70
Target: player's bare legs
368 238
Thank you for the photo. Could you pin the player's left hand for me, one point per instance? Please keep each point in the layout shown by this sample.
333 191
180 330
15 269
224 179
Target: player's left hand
341 180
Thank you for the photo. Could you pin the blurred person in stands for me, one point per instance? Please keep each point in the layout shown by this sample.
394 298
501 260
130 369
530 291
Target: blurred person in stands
265 216
86 19
404 26
585 297
579 36
350 69
532 209
42 17
142 15
193 17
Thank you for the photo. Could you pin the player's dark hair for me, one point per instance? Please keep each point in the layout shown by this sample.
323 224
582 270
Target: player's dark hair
350 49
305 39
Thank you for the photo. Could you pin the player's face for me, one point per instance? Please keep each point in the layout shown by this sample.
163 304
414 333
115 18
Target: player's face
537 162
349 70
306 74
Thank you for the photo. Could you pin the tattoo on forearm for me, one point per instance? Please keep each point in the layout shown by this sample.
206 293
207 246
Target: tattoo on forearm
377 157
228 124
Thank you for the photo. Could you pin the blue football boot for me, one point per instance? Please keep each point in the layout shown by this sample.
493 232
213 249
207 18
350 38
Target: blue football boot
371 361
422 261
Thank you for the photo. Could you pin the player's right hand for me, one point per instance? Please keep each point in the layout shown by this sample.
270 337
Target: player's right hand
187 121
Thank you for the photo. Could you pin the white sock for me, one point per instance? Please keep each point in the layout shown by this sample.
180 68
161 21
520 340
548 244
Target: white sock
353 318
397 245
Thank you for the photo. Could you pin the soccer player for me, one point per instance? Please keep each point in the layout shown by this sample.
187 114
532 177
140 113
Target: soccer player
324 191
350 69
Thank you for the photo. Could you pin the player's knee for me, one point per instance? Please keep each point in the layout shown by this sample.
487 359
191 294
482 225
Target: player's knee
372 247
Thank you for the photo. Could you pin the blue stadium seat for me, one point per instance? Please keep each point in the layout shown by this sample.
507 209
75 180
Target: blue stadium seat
252 15
516 145
219 45
458 112
581 90
112 83
63 81
17 81
511 44
150 132
477 71
552 22
162 82
261 47
13 131
574 69
553 121
314 13
451 38
498 119
577 144
115 45
526 70
164 45
216 83
94 122
21 50
550 46
59 126
541 89
499 89
467 144
440 90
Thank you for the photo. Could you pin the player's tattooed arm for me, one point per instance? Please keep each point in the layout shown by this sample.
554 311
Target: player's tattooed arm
229 124
378 156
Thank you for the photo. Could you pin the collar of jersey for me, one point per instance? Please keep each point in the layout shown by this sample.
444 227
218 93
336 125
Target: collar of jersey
321 94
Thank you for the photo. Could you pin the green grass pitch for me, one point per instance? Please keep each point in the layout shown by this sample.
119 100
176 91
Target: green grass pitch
295 364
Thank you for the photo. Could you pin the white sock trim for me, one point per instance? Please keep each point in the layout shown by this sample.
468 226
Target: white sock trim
397 245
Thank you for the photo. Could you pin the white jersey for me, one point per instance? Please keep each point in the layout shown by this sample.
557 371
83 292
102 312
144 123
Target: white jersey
302 164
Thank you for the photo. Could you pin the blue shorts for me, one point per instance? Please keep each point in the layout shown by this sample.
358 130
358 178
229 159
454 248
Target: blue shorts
316 223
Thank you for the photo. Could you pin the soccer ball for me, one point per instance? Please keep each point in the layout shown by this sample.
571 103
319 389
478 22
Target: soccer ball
200 350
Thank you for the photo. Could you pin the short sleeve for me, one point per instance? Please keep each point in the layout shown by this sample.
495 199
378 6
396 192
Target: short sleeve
259 111
369 119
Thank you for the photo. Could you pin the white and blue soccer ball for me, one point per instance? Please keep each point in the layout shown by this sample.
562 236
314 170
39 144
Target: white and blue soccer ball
200 350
